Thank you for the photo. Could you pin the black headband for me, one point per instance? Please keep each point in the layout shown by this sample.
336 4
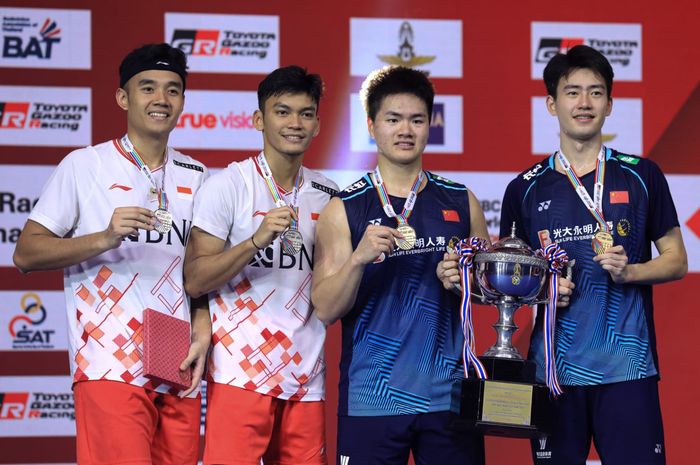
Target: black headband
159 64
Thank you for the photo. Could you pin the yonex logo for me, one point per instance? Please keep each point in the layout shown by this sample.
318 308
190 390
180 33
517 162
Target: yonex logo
658 449
344 460
543 443
544 205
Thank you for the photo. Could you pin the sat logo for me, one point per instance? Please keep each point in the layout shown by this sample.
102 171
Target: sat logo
24 328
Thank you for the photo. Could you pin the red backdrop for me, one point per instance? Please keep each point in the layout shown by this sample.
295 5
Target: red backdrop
496 88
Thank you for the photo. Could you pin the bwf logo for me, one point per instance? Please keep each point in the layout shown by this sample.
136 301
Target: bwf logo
13 405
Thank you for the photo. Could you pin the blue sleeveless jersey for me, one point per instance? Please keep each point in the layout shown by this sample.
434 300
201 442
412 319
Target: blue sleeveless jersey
402 339
606 335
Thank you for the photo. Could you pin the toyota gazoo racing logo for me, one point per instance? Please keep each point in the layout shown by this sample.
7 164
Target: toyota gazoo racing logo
39 46
39 115
13 405
617 51
26 329
212 42
549 47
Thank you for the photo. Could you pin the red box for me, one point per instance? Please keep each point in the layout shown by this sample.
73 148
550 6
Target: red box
166 342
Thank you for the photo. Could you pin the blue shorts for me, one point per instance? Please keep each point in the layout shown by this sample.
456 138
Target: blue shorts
387 440
623 419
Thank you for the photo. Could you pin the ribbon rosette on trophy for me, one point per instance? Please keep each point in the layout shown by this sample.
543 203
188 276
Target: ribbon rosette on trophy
504 398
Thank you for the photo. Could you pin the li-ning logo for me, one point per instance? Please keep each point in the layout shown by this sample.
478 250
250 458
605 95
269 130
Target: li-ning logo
344 460
39 47
376 221
164 63
549 47
406 55
544 205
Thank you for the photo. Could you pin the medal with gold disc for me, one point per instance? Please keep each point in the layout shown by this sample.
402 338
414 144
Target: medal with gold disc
603 238
405 229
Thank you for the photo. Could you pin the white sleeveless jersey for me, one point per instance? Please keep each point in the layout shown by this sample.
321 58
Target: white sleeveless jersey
106 295
266 336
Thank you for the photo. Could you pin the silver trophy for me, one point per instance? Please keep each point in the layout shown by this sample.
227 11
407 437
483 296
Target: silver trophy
509 275
508 401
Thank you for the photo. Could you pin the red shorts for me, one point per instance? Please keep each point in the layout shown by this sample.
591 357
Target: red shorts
243 426
120 423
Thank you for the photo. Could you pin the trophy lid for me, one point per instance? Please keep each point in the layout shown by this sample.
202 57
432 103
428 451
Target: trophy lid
512 245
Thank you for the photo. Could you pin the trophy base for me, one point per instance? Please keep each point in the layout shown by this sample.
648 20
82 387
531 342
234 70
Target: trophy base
509 403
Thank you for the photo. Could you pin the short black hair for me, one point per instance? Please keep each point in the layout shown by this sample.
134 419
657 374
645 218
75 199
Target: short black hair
579 57
392 80
290 80
161 57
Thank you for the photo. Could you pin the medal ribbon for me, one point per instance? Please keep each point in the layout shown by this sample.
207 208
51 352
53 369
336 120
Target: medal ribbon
595 204
466 250
138 161
556 258
402 218
272 187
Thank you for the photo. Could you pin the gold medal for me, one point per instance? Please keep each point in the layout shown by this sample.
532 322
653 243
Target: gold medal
602 241
409 237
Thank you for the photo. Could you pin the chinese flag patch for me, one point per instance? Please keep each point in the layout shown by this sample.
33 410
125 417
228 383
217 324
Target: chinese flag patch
450 215
314 216
619 197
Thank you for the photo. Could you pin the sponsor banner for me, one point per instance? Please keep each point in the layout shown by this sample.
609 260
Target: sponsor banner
46 116
20 186
33 320
688 209
622 129
431 45
445 126
44 38
620 43
225 43
36 406
218 120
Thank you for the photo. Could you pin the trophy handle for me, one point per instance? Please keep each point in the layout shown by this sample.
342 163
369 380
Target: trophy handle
475 295
543 296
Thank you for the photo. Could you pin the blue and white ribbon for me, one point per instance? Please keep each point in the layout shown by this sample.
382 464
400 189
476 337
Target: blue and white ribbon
466 250
556 258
